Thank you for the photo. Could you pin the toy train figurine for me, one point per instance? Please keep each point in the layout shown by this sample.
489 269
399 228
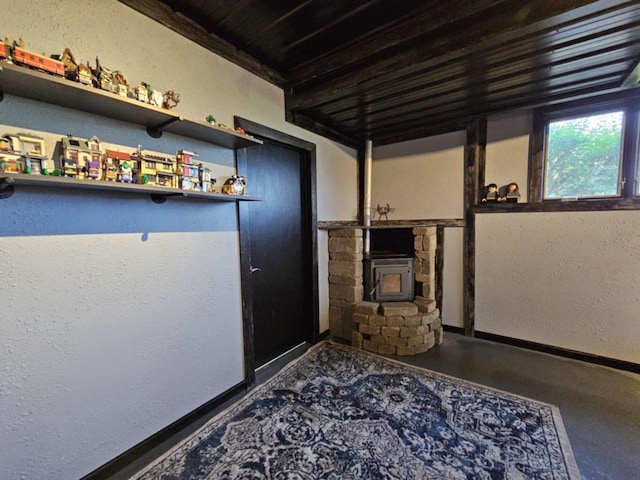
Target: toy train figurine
17 54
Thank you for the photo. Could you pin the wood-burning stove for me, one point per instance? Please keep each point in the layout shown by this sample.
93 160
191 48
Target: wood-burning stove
388 278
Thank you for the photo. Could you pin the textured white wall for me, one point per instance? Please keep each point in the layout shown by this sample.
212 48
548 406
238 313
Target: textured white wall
569 280
119 315
563 279
423 179
508 150
452 280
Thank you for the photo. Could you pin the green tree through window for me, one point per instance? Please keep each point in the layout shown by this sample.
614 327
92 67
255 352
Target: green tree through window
584 156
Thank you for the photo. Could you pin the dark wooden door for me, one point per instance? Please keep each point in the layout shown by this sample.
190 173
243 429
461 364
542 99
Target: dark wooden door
278 252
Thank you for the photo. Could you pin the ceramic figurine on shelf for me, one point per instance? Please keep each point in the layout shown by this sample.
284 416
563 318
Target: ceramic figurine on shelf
491 194
85 75
236 185
170 99
211 119
384 211
157 98
105 78
510 193
122 84
140 93
70 64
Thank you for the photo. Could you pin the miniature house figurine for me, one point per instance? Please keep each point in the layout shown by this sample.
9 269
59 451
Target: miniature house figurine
188 170
81 158
206 182
23 153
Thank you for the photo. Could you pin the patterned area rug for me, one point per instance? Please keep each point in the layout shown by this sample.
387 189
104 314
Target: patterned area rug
339 413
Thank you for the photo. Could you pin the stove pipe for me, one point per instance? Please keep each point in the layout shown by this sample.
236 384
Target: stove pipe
366 214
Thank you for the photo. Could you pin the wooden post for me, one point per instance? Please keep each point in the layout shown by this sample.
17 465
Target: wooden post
474 168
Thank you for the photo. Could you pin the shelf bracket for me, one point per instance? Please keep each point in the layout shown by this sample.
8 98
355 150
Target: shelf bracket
160 198
6 187
156 132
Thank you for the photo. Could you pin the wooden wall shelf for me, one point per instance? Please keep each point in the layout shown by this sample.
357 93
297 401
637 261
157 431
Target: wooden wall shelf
35 85
158 194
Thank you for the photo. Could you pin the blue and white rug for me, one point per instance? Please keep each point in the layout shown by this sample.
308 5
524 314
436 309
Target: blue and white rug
339 413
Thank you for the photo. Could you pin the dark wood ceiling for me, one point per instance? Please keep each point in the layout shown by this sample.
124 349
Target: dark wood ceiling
390 70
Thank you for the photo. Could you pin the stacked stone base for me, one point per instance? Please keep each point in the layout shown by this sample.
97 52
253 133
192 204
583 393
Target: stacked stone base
395 328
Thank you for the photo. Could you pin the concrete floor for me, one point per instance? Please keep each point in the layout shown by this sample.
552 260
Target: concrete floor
600 406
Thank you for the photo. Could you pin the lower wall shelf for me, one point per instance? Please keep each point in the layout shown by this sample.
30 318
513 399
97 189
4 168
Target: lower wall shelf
158 194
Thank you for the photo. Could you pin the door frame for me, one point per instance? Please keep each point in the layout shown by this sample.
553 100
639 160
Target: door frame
310 231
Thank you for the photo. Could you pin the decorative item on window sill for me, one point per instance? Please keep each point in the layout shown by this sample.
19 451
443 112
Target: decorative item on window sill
236 185
509 193
384 211
490 193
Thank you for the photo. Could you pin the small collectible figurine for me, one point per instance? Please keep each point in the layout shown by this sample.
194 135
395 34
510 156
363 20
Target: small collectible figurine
511 193
211 119
170 99
141 93
105 78
123 84
384 211
85 75
156 98
70 64
235 185
491 194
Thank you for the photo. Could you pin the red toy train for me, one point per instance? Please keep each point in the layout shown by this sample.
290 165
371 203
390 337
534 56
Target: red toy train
17 54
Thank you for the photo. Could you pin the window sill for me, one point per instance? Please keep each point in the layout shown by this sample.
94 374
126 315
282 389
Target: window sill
595 205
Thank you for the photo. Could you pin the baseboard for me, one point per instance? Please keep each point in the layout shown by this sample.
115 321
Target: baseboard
562 352
323 336
452 329
121 461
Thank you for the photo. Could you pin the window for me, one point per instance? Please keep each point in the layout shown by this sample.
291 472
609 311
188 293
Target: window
584 156
587 151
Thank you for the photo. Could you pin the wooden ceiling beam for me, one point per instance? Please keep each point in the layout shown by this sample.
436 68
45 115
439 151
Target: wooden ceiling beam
545 16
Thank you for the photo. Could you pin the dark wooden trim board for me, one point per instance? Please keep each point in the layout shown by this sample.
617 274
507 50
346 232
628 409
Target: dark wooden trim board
586 205
474 168
562 352
380 224
126 458
439 266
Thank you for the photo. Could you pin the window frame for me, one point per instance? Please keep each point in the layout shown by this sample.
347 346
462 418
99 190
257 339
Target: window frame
629 198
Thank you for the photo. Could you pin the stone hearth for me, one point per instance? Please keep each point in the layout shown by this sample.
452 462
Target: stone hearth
395 328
